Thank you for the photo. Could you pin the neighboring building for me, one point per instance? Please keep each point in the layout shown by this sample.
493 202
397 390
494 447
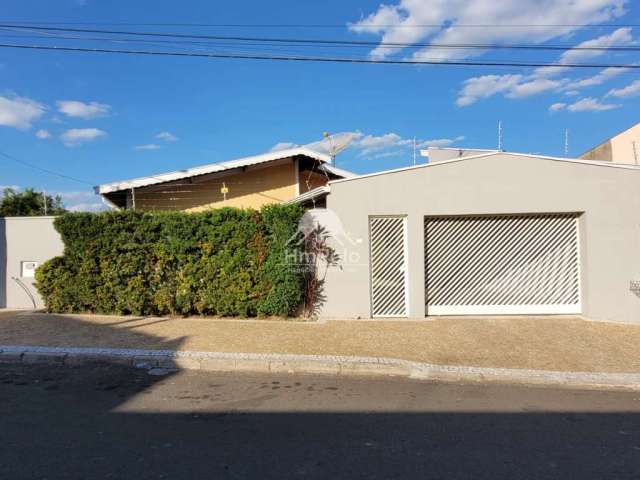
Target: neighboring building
25 244
496 233
621 148
250 182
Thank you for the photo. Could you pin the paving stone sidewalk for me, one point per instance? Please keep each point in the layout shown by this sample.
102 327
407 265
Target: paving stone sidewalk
559 344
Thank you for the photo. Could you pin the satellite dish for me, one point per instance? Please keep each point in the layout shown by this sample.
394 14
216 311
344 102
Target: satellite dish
332 144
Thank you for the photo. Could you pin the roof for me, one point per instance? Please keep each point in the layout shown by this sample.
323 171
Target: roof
597 163
212 168
337 171
310 195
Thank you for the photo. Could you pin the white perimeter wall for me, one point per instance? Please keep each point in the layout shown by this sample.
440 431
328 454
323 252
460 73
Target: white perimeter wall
24 239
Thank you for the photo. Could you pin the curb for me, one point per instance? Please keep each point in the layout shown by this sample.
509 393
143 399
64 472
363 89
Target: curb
312 364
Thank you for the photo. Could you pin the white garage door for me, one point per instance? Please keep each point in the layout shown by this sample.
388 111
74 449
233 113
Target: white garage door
511 264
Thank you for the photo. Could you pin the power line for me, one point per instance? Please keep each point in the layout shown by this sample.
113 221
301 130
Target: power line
329 25
50 172
316 41
298 58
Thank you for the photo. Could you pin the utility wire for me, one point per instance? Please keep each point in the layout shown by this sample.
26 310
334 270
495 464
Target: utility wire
50 172
316 41
299 58
329 25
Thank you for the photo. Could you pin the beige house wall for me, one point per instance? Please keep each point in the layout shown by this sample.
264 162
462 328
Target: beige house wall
607 198
618 149
256 186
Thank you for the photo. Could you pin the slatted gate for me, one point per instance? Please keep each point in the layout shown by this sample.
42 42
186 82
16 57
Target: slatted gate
389 290
511 264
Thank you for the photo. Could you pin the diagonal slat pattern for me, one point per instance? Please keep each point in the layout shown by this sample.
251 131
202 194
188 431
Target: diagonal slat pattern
489 262
388 266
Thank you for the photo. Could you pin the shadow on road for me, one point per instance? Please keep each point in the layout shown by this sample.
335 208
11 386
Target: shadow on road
114 422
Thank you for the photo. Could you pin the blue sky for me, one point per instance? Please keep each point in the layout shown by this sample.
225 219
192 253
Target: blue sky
104 117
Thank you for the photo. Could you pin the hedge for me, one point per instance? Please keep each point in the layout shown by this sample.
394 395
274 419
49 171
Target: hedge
221 262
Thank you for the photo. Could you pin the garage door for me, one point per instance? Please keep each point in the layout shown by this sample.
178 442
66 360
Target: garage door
511 264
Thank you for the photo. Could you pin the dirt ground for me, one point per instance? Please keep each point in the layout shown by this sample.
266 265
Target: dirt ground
548 343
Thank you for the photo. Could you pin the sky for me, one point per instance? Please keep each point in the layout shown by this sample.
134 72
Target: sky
101 117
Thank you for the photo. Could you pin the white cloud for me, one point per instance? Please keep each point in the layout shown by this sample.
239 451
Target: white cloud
77 136
619 37
597 79
534 87
76 109
412 21
282 146
485 86
19 112
440 142
148 146
82 201
88 207
521 86
167 137
372 143
556 107
629 91
371 146
43 134
590 104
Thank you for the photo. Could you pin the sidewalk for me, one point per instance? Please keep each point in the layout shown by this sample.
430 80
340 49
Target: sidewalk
560 344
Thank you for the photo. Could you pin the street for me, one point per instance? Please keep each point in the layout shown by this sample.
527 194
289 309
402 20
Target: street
116 422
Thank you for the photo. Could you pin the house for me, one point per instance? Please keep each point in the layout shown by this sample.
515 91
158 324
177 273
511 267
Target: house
249 182
495 233
621 148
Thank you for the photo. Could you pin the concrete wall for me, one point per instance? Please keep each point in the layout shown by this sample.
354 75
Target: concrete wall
24 239
608 197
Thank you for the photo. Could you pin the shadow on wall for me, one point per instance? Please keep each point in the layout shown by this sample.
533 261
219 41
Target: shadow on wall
3 263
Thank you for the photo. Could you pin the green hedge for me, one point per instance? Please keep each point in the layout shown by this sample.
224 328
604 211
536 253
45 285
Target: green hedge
220 262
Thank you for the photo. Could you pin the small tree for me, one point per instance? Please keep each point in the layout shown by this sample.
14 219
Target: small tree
319 256
29 203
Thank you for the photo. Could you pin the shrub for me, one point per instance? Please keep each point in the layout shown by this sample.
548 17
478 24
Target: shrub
220 262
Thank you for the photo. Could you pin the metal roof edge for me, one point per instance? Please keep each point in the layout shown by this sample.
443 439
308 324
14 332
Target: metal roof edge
315 193
208 168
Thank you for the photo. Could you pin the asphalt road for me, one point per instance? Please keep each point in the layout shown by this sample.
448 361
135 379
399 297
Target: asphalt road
115 422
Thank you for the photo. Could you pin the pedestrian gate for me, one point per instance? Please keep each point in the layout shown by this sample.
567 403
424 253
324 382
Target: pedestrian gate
509 264
389 290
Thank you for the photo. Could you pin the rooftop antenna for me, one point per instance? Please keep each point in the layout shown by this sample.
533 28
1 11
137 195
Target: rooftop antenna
500 135
414 150
566 142
635 152
337 143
